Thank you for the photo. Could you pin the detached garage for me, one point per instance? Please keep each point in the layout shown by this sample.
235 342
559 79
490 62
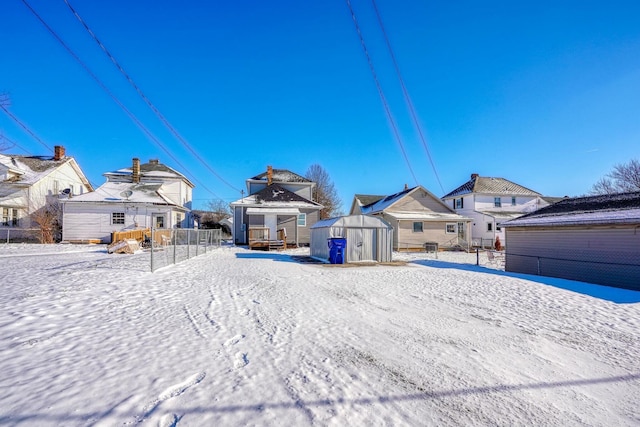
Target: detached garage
590 239
368 238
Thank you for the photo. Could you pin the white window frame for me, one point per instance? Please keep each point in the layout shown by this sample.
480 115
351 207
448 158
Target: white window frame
115 218
458 203
497 202
302 220
513 200
451 224
421 227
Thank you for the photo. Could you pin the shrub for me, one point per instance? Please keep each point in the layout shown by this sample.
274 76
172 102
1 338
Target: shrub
498 244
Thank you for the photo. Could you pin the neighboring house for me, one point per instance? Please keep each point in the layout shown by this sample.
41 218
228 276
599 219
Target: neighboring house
277 200
490 202
32 185
593 239
419 218
141 196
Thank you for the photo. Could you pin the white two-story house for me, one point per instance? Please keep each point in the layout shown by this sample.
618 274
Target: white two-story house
149 195
489 202
30 190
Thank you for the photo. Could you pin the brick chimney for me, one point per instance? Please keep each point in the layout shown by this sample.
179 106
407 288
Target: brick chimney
269 175
135 170
406 187
58 152
474 175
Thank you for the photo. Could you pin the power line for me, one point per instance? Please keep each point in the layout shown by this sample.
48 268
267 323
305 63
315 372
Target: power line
405 92
25 127
380 92
113 97
153 108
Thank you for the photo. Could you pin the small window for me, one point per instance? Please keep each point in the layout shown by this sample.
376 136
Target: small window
498 228
489 226
497 202
14 218
451 229
513 201
459 203
117 218
302 220
159 222
5 217
178 221
417 227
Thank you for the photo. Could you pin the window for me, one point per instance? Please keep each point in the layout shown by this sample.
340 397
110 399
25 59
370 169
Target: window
459 203
451 229
14 218
513 201
417 227
302 220
497 202
489 226
5 217
178 220
117 218
159 223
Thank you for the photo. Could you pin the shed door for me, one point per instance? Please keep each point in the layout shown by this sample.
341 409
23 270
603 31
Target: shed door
361 244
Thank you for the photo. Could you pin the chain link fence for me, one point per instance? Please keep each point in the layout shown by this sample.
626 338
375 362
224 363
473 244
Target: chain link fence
20 235
174 246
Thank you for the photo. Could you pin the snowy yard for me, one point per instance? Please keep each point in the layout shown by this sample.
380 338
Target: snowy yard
236 337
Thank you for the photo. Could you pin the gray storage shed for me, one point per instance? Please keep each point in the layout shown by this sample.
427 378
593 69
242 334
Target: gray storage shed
369 238
592 239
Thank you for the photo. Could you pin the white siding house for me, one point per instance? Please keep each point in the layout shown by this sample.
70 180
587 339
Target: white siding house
489 202
142 196
33 185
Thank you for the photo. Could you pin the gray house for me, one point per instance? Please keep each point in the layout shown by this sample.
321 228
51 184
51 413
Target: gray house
592 239
278 211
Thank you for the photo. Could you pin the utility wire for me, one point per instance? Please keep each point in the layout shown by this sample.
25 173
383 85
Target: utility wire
153 108
25 127
405 92
380 91
115 99
13 143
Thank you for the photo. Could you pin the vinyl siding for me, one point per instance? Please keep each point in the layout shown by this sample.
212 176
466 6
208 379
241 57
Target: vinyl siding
419 201
605 255
432 232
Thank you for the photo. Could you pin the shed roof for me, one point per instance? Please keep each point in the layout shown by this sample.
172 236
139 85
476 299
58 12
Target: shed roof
281 175
602 209
353 221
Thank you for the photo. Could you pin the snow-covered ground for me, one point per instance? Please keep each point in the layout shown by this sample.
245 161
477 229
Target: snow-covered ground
236 337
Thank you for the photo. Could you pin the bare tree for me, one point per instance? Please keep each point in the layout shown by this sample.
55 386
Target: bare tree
48 220
325 192
218 210
625 177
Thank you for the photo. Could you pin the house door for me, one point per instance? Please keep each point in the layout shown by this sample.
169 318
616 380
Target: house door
271 222
462 231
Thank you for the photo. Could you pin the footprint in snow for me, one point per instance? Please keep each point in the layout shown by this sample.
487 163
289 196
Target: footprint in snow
173 391
240 360
233 341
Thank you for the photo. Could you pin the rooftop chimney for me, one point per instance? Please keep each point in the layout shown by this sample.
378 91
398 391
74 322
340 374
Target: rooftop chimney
269 175
474 175
135 170
58 152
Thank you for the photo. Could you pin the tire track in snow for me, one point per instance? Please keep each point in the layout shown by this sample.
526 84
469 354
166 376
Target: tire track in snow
173 391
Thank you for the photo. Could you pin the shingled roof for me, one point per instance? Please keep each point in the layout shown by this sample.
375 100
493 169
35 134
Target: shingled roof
601 209
281 175
489 185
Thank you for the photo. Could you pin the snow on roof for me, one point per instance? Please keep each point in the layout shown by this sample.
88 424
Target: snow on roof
353 221
428 216
30 168
151 169
281 175
601 209
385 202
490 185
117 192
500 215
276 195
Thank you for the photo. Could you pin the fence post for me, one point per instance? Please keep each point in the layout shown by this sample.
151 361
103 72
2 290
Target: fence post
152 266
8 230
206 241
477 256
175 243
188 242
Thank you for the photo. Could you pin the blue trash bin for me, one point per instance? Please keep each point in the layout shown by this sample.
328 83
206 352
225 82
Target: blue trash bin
337 245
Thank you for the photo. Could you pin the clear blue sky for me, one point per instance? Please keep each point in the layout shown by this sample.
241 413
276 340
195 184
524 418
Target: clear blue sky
543 93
